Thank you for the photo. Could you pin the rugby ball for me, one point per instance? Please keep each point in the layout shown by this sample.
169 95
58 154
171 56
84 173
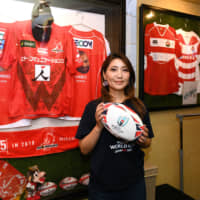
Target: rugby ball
84 179
68 183
122 122
47 188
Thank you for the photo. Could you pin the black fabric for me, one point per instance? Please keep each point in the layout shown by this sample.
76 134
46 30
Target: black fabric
133 192
166 192
114 164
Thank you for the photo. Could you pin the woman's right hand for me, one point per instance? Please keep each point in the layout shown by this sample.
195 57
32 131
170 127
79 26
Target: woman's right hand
99 115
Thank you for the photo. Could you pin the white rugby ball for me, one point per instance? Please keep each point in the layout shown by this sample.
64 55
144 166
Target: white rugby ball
122 122
84 179
68 183
46 189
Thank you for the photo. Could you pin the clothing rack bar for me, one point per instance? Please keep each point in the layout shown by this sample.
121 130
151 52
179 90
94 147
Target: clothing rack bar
180 117
187 115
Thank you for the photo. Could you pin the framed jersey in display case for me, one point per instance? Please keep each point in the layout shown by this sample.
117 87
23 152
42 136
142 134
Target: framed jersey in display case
169 58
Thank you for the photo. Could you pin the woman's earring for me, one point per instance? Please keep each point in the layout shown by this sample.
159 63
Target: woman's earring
105 83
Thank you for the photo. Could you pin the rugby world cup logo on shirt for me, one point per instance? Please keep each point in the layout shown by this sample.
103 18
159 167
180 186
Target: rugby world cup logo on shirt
83 43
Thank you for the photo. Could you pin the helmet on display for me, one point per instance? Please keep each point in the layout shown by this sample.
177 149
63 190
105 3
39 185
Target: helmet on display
41 14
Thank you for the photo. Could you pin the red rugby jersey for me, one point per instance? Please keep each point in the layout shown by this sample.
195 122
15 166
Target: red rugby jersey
93 50
41 84
160 75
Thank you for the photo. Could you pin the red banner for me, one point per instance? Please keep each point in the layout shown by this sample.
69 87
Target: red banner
37 142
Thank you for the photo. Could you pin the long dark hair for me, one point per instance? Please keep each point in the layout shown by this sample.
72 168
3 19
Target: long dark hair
129 90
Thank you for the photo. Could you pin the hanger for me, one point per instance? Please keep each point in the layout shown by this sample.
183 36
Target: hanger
186 23
81 25
160 18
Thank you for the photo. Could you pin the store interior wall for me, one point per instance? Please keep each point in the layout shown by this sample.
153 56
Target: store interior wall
165 148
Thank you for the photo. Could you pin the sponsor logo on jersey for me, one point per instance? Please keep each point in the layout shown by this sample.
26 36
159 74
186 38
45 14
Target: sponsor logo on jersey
83 77
42 60
42 50
58 48
167 43
83 43
162 42
188 57
42 73
155 41
27 43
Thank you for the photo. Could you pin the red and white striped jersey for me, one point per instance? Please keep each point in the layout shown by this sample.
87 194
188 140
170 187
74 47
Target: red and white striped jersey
188 50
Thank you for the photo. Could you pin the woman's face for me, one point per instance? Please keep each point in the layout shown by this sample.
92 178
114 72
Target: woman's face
117 75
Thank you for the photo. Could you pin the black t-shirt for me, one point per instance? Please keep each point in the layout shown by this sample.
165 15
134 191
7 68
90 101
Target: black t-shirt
114 164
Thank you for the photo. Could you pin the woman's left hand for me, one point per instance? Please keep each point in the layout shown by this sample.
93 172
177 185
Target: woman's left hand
144 140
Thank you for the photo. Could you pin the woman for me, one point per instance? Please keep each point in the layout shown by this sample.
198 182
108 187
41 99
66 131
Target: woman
117 171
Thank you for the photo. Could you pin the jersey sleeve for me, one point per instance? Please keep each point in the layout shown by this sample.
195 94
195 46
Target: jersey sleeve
107 46
7 44
147 39
72 54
